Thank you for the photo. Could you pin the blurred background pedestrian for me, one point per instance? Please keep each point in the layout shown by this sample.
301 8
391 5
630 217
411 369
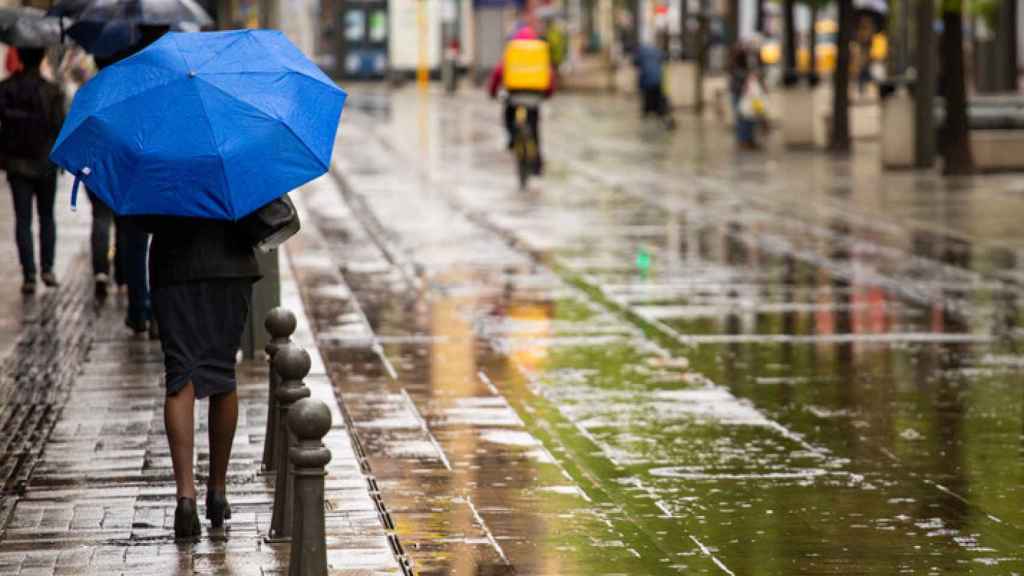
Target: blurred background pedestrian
131 241
31 115
650 63
741 88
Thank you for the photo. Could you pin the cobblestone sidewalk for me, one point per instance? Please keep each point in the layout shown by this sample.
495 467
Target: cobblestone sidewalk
101 500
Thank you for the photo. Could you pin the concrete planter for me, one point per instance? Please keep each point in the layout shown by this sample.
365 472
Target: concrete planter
626 78
681 84
998 150
897 130
798 114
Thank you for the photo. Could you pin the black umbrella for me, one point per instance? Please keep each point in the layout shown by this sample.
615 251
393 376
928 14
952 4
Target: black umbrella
29 27
8 16
106 27
151 12
32 32
69 8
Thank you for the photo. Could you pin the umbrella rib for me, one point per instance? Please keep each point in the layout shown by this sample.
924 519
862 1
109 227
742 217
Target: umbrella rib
216 146
292 69
222 50
284 70
283 123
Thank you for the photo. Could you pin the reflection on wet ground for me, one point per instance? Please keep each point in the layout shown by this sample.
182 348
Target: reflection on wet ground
665 357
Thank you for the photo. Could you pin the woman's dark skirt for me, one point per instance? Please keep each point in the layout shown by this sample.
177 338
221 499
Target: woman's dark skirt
201 326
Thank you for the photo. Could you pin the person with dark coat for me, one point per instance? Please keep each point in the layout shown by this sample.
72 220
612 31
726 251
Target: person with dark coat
650 64
740 78
131 242
31 116
201 274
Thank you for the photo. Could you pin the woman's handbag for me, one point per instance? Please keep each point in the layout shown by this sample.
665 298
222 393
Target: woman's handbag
271 225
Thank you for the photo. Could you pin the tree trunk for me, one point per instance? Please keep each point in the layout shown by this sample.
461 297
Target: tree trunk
759 16
1009 20
956 141
789 40
841 81
700 53
733 23
684 30
924 92
812 47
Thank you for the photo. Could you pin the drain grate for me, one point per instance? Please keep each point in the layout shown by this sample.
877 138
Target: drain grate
36 378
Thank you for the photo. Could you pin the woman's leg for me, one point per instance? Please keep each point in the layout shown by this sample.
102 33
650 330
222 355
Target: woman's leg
179 420
223 421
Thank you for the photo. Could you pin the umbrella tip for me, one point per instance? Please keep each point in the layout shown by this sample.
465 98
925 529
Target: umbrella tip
191 73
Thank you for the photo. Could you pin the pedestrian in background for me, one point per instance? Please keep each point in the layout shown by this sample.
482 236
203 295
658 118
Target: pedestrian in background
99 243
12 62
742 90
75 70
131 241
650 63
31 115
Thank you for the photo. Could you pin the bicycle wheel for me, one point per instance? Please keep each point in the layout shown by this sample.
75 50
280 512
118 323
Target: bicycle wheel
522 149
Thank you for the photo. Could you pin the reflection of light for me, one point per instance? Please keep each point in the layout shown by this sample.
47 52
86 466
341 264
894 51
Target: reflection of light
691 473
452 377
824 317
867 312
870 311
532 329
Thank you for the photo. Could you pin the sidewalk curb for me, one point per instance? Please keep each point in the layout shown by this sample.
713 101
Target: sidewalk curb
311 256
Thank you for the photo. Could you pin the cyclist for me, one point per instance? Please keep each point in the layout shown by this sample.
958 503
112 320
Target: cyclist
524 72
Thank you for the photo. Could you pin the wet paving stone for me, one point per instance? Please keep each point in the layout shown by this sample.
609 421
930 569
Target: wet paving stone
734 369
100 497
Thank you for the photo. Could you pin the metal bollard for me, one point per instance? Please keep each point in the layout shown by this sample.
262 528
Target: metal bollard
292 365
309 421
280 324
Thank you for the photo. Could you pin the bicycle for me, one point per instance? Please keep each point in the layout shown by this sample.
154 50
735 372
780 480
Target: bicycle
525 145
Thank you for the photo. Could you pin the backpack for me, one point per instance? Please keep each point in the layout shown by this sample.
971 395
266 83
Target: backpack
25 130
527 65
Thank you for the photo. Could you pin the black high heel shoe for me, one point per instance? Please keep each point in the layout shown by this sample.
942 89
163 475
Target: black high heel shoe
217 508
186 519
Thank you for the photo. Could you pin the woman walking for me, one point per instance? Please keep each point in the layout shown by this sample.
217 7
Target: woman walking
164 160
201 273
743 81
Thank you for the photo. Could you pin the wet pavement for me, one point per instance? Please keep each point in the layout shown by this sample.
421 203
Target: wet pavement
664 357
95 492
667 356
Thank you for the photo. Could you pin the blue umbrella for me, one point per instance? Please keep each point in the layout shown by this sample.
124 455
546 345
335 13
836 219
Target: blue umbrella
203 124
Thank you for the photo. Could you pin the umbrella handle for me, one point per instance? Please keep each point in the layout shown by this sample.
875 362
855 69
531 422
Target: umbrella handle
74 187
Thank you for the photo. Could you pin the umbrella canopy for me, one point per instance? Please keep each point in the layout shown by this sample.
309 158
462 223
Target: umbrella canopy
10 15
69 8
105 27
203 124
32 31
878 6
